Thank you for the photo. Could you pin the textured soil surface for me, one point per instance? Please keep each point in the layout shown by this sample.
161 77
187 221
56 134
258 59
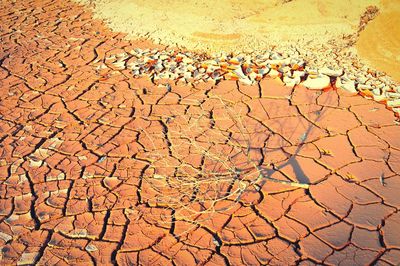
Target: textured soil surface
379 44
232 25
98 167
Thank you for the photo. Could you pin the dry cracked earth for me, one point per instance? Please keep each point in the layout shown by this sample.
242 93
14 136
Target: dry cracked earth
98 167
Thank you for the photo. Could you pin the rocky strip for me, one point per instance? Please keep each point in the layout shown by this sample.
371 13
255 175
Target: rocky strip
289 67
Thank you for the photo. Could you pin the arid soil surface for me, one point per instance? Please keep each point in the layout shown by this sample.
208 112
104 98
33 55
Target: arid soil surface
379 43
234 26
99 167
231 25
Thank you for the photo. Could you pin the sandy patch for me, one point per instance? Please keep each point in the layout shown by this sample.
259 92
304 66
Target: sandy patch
244 26
231 25
379 43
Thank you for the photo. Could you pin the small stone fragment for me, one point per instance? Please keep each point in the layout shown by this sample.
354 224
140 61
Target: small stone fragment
382 180
5 237
331 72
274 73
102 159
348 85
393 103
91 248
27 258
157 176
319 82
35 163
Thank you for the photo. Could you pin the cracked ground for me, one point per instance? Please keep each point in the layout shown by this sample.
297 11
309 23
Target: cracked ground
99 167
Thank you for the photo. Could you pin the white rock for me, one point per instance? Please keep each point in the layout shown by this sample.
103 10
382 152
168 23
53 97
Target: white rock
347 85
312 71
396 110
364 87
91 248
238 71
378 98
361 79
263 71
187 60
282 62
35 163
299 74
254 76
393 95
5 237
291 82
331 72
275 56
285 69
27 258
376 92
393 103
319 82
273 73
246 81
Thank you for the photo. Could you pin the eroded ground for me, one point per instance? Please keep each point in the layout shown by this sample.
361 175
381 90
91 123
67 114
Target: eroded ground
97 167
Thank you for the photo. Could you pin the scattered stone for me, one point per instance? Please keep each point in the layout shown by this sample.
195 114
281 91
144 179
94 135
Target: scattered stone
5 237
102 159
394 95
291 82
157 176
35 163
274 73
331 72
290 66
365 87
319 82
348 85
91 248
393 103
28 258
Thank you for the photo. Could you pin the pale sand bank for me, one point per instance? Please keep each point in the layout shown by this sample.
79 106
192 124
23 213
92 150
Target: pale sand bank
229 25
379 43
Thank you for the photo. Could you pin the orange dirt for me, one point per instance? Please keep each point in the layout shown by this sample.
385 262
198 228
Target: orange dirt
95 165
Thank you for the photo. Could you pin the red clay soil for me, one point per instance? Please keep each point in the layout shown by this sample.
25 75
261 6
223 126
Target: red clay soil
81 152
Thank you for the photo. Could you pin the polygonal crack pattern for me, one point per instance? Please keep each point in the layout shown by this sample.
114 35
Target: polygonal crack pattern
101 168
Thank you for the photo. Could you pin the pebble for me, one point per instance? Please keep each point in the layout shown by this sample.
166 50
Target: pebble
348 85
91 248
376 92
319 82
393 103
393 94
273 73
238 71
5 237
28 258
291 81
378 98
291 66
331 72
299 74
246 81
364 87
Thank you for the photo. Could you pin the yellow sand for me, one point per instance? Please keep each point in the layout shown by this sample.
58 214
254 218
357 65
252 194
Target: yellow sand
232 25
379 43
